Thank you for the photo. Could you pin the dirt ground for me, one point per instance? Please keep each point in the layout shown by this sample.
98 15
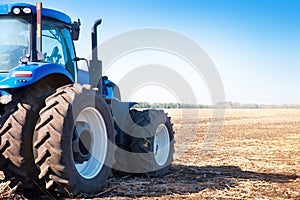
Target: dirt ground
255 156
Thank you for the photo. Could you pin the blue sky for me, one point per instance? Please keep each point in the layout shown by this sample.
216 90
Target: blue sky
255 44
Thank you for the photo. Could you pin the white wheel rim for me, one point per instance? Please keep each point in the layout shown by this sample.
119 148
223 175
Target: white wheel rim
161 145
98 147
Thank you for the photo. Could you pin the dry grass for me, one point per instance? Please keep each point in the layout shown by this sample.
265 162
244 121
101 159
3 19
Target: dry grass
256 156
263 142
6 192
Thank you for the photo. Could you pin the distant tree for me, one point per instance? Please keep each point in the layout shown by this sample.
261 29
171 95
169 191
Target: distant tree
227 105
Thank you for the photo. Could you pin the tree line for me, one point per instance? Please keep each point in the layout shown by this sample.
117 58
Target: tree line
227 104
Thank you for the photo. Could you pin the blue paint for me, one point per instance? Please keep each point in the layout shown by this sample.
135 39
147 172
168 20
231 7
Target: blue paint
39 71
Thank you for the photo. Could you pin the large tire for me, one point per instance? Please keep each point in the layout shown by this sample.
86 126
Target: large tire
75 160
151 142
16 130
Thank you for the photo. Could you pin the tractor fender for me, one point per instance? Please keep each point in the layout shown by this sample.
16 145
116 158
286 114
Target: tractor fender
27 74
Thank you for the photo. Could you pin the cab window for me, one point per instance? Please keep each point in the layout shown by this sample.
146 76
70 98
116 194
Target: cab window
53 46
56 46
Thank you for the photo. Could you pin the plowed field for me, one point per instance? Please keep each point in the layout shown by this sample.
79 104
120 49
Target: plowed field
256 156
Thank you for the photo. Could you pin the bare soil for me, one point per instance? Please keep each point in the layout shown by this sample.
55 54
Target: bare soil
255 156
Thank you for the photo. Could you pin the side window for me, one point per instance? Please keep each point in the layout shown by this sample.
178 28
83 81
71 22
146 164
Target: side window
57 46
53 46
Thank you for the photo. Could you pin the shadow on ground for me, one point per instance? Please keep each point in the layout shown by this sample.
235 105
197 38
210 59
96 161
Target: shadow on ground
181 180
187 179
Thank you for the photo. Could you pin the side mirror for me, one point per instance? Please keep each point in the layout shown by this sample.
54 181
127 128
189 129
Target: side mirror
75 30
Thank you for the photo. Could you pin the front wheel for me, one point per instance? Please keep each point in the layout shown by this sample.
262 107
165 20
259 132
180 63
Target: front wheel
74 141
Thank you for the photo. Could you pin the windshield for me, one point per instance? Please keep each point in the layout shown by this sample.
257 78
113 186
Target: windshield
14 42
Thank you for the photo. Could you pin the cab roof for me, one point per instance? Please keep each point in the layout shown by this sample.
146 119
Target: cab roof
6 9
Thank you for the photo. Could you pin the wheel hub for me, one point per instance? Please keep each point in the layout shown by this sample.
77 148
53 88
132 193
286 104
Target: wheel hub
91 131
161 145
82 138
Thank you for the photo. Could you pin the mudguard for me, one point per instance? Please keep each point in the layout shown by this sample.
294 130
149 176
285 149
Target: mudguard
27 74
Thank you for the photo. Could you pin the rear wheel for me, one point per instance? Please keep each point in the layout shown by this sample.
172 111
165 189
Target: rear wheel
74 141
16 130
151 142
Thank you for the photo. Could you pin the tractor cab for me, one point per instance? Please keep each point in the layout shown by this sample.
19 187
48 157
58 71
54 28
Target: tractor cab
30 39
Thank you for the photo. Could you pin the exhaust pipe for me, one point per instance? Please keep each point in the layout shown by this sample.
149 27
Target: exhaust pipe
95 70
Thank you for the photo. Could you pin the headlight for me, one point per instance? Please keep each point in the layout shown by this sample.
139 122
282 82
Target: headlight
27 10
16 11
21 10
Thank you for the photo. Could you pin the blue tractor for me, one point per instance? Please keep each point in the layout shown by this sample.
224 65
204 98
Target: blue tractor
62 128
